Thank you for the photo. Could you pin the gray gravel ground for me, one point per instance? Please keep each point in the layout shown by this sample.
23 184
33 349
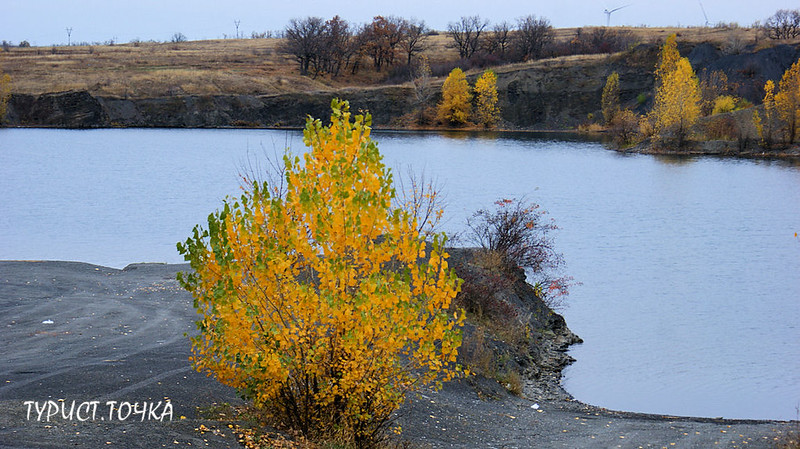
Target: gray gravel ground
73 332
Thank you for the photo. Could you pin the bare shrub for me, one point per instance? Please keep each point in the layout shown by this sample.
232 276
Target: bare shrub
520 233
722 128
625 127
601 40
784 24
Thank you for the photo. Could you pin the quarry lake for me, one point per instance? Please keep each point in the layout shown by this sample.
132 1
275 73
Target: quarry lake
689 302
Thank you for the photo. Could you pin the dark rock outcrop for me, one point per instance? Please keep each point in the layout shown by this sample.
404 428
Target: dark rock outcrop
82 110
557 93
73 109
520 332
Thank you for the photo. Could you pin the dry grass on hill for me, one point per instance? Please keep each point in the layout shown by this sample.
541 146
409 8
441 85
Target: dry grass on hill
243 66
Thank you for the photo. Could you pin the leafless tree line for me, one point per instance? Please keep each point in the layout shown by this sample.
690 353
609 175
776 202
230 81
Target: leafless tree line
526 40
333 46
784 24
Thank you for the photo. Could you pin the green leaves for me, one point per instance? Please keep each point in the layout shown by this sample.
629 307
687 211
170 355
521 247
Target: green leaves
309 300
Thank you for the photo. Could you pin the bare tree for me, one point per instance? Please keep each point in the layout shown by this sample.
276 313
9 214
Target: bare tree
423 87
304 40
784 24
467 34
337 48
533 33
413 36
500 39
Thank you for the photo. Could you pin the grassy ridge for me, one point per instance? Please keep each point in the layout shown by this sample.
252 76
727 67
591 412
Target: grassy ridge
243 66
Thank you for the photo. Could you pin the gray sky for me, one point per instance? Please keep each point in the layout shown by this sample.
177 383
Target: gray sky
43 22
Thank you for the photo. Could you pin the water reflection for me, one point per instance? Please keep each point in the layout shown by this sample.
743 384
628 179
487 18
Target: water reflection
689 300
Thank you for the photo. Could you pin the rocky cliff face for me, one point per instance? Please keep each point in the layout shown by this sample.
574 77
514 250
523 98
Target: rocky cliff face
63 110
82 110
510 328
548 94
560 94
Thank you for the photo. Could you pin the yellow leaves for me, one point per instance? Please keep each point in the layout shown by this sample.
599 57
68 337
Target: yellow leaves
5 94
487 113
723 104
668 59
787 100
677 103
325 283
456 98
456 105
610 100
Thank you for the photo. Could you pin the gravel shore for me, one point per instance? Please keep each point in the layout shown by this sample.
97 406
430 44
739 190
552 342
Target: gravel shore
91 356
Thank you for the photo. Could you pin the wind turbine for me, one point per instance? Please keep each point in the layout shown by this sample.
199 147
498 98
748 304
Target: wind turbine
704 11
608 12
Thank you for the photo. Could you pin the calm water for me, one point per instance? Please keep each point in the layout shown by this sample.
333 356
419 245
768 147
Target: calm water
690 297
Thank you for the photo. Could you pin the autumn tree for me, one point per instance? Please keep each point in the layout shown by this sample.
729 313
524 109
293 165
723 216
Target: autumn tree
724 104
622 123
610 99
667 60
381 39
456 98
787 100
713 85
321 301
487 112
677 102
768 125
5 94
466 34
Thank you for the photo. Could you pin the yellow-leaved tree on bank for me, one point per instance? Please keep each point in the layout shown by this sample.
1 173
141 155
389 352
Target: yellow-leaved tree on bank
487 113
609 102
319 300
787 100
677 103
767 126
456 98
5 94
667 60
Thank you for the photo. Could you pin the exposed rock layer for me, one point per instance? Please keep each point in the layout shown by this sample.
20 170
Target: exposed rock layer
553 94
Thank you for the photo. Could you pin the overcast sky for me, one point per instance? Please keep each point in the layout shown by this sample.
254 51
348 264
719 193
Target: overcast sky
44 22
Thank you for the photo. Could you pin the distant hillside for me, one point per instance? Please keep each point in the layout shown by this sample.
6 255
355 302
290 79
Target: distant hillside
251 83
251 66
